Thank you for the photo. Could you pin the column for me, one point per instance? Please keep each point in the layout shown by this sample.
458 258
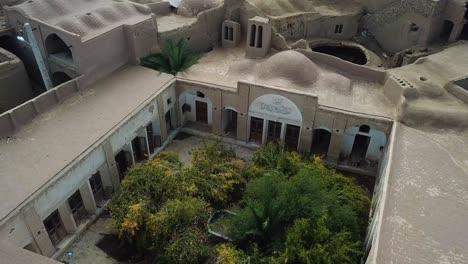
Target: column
39 232
67 218
216 125
305 140
162 120
283 132
334 149
88 198
265 131
242 127
112 165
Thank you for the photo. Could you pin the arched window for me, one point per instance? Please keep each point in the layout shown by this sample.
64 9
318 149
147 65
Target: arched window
56 46
260 37
200 94
253 31
364 129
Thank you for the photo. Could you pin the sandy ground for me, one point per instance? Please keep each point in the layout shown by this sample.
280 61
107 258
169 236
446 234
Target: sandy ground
184 144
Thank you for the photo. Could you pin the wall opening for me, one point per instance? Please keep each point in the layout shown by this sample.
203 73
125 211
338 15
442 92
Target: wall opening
200 94
364 129
124 162
274 132
230 123
226 33
77 208
260 37
60 77
339 29
150 135
359 150
464 33
140 152
231 33
347 53
55 228
169 124
320 142
98 189
201 112
253 32
291 138
256 129
57 47
447 28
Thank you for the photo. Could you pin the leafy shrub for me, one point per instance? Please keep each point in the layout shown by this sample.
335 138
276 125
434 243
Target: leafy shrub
277 157
175 58
227 254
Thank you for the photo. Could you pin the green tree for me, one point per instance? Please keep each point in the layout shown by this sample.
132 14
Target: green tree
176 57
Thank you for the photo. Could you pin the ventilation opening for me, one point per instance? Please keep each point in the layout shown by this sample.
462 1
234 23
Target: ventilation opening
260 37
253 31
339 29
364 129
347 53
446 31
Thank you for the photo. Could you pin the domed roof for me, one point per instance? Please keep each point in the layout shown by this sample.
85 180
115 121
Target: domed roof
290 66
194 7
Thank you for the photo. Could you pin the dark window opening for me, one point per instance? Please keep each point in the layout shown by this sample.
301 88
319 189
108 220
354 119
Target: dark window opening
226 33
291 138
124 162
186 108
55 228
253 32
57 47
168 120
347 53
274 132
140 152
260 37
364 129
320 142
256 129
169 101
97 188
339 29
150 136
231 33
200 94
77 208
446 30
464 33
414 27
230 124
359 150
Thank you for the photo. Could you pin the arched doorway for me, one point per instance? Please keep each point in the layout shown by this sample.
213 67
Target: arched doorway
59 78
275 118
447 28
363 147
229 122
55 46
320 142
196 107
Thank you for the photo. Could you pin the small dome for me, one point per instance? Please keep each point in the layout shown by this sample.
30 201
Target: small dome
288 66
194 7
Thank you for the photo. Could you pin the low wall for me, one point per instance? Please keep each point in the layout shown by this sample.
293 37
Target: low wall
12 120
457 90
363 72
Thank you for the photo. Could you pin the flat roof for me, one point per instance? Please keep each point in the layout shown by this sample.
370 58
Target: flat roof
42 148
225 67
10 254
426 211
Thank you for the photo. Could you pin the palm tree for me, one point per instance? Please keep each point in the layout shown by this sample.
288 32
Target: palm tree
175 58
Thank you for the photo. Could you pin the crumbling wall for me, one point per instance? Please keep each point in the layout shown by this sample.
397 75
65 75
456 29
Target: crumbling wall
15 87
202 35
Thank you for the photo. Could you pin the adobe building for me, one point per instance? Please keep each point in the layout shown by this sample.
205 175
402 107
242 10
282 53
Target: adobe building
260 82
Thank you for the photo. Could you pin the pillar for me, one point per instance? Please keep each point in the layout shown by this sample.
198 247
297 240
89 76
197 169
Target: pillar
162 120
88 198
242 127
112 165
67 218
336 141
305 140
39 232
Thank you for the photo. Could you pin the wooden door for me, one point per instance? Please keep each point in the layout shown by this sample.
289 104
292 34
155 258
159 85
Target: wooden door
201 112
